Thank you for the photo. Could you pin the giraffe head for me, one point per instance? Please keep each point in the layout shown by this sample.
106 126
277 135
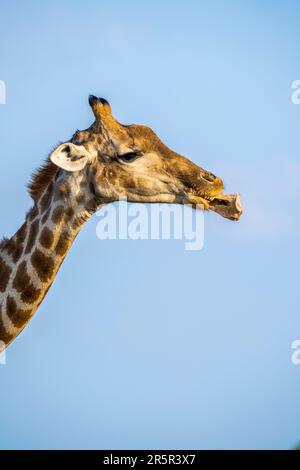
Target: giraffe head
130 162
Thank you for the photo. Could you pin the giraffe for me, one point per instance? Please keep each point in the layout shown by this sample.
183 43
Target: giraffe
102 164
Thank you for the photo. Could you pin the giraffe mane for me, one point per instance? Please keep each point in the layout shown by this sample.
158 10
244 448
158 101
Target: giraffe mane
41 178
3 243
36 186
38 182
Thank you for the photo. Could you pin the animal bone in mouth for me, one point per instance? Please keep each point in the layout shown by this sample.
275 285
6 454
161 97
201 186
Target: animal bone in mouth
227 205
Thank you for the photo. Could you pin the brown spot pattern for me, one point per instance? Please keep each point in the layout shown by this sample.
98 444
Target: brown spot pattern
46 199
62 193
5 336
44 265
14 249
21 233
32 236
15 245
80 199
22 283
17 316
46 216
46 238
91 205
58 214
5 272
33 213
69 214
62 244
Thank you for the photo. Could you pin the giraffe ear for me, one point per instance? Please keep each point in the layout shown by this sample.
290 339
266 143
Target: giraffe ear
70 157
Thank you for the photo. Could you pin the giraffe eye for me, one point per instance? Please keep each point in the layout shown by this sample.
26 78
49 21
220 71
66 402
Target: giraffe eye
129 156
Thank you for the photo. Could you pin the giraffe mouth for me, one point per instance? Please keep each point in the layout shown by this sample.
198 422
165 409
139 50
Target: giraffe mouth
226 205
209 194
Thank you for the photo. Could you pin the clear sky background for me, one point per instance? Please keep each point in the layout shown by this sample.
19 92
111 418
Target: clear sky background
141 344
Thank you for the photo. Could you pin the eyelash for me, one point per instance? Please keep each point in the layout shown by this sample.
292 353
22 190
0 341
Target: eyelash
129 156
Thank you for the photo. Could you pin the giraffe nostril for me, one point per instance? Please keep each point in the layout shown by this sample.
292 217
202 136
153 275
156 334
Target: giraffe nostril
209 177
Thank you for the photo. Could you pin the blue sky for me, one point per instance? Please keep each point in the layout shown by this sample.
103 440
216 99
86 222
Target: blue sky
141 344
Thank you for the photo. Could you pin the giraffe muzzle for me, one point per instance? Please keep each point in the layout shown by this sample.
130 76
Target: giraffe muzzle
203 188
226 205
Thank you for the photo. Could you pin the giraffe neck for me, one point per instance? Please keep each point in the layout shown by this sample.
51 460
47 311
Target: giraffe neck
30 260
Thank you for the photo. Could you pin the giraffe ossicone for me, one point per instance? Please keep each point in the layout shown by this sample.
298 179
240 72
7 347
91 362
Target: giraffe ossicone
99 165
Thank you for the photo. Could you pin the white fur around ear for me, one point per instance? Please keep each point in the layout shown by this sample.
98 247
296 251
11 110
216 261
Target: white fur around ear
70 157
